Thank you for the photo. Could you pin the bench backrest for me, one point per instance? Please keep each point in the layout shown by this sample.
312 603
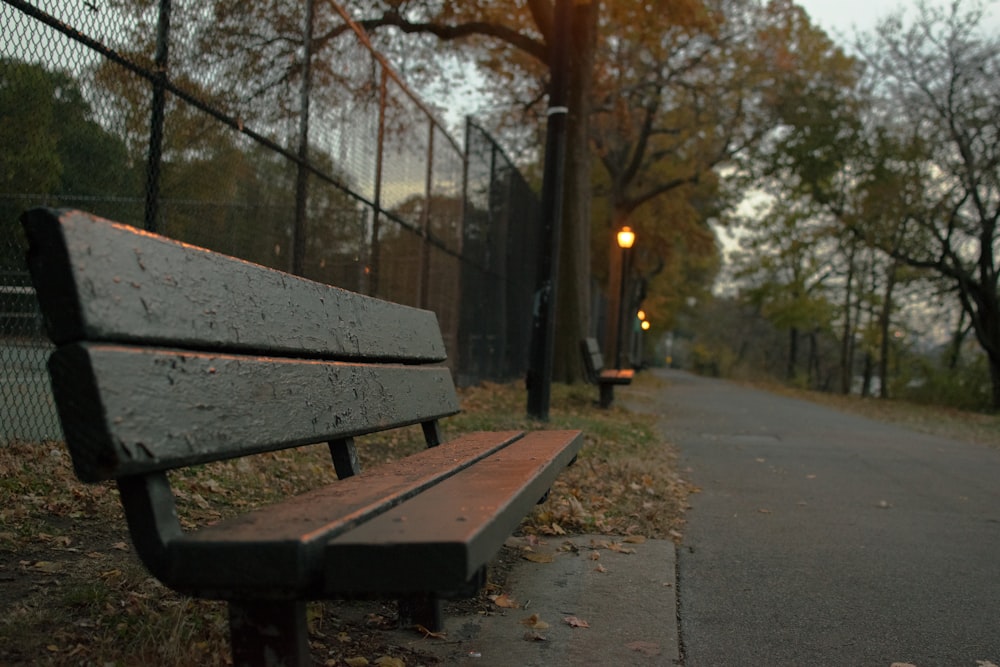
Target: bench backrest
593 360
170 355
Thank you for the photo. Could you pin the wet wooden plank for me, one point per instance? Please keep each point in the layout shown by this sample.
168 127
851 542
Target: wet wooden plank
439 539
279 548
128 410
103 281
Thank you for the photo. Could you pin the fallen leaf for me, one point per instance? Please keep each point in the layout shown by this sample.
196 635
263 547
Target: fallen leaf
534 622
536 557
595 555
389 661
532 636
635 539
427 633
47 566
764 510
600 568
575 622
354 662
504 600
618 548
120 546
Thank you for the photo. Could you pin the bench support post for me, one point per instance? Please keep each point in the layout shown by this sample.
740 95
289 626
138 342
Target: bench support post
269 633
607 394
424 609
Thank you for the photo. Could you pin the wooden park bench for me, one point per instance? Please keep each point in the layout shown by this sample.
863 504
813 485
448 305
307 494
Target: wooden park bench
596 373
171 356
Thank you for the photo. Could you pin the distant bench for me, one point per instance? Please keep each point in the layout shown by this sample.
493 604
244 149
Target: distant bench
604 378
171 356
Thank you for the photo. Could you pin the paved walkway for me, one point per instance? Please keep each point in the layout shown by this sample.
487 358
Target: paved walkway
821 538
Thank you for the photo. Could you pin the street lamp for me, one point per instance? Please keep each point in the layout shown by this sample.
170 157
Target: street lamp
626 237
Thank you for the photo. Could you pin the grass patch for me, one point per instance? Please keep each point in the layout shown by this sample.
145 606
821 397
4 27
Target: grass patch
72 592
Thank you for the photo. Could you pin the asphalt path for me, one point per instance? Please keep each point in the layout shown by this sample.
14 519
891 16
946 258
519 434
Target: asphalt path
822 538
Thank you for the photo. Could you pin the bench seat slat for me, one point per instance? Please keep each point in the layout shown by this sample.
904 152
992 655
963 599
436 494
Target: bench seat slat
130 410
439 539
276 549
623 376
103 281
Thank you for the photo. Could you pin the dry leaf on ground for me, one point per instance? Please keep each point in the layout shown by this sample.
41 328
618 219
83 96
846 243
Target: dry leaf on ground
536 557
427 633
534 622
505 601
575 622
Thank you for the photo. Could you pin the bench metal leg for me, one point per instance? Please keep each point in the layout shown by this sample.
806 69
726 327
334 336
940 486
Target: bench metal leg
607 394
424 609
269 633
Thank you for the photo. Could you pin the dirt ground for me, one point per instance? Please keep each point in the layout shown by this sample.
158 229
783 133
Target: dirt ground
72 592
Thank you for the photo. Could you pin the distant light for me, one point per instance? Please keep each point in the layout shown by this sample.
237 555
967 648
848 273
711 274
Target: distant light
626 237
645 325
641 314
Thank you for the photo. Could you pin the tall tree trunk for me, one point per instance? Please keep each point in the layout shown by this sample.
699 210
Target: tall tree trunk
847 337
885 318
793 353
573 296
957 338
813 379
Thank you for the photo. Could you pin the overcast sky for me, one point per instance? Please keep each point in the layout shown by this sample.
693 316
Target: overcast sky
840 18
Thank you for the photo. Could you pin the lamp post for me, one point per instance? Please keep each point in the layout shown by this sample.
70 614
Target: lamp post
626 237
541 351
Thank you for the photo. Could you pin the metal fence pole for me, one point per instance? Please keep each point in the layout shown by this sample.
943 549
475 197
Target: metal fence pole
155 156
425 253
302 172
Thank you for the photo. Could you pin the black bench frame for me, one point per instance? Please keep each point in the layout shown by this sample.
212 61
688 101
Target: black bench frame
170 355
596 373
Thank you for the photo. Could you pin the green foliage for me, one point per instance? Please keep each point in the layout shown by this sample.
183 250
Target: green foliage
965 387
52 149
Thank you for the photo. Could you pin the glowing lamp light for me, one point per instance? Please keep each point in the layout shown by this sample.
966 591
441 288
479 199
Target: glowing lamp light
626 237
645 325
641 314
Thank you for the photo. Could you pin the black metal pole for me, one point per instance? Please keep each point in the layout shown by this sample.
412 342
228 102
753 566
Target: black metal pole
155 156
302 175
539 378
623 309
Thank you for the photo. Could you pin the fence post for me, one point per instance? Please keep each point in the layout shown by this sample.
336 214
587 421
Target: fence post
425 222
302 173
374 259
155 156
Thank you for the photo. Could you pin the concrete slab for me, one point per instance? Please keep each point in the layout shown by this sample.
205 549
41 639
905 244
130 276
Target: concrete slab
623 592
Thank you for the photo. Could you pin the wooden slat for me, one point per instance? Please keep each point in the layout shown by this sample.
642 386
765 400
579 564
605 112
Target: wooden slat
592 358
439 539
128 410
278 549
612 376
102 281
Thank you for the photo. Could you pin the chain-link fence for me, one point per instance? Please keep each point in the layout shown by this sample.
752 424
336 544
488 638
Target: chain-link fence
268 131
